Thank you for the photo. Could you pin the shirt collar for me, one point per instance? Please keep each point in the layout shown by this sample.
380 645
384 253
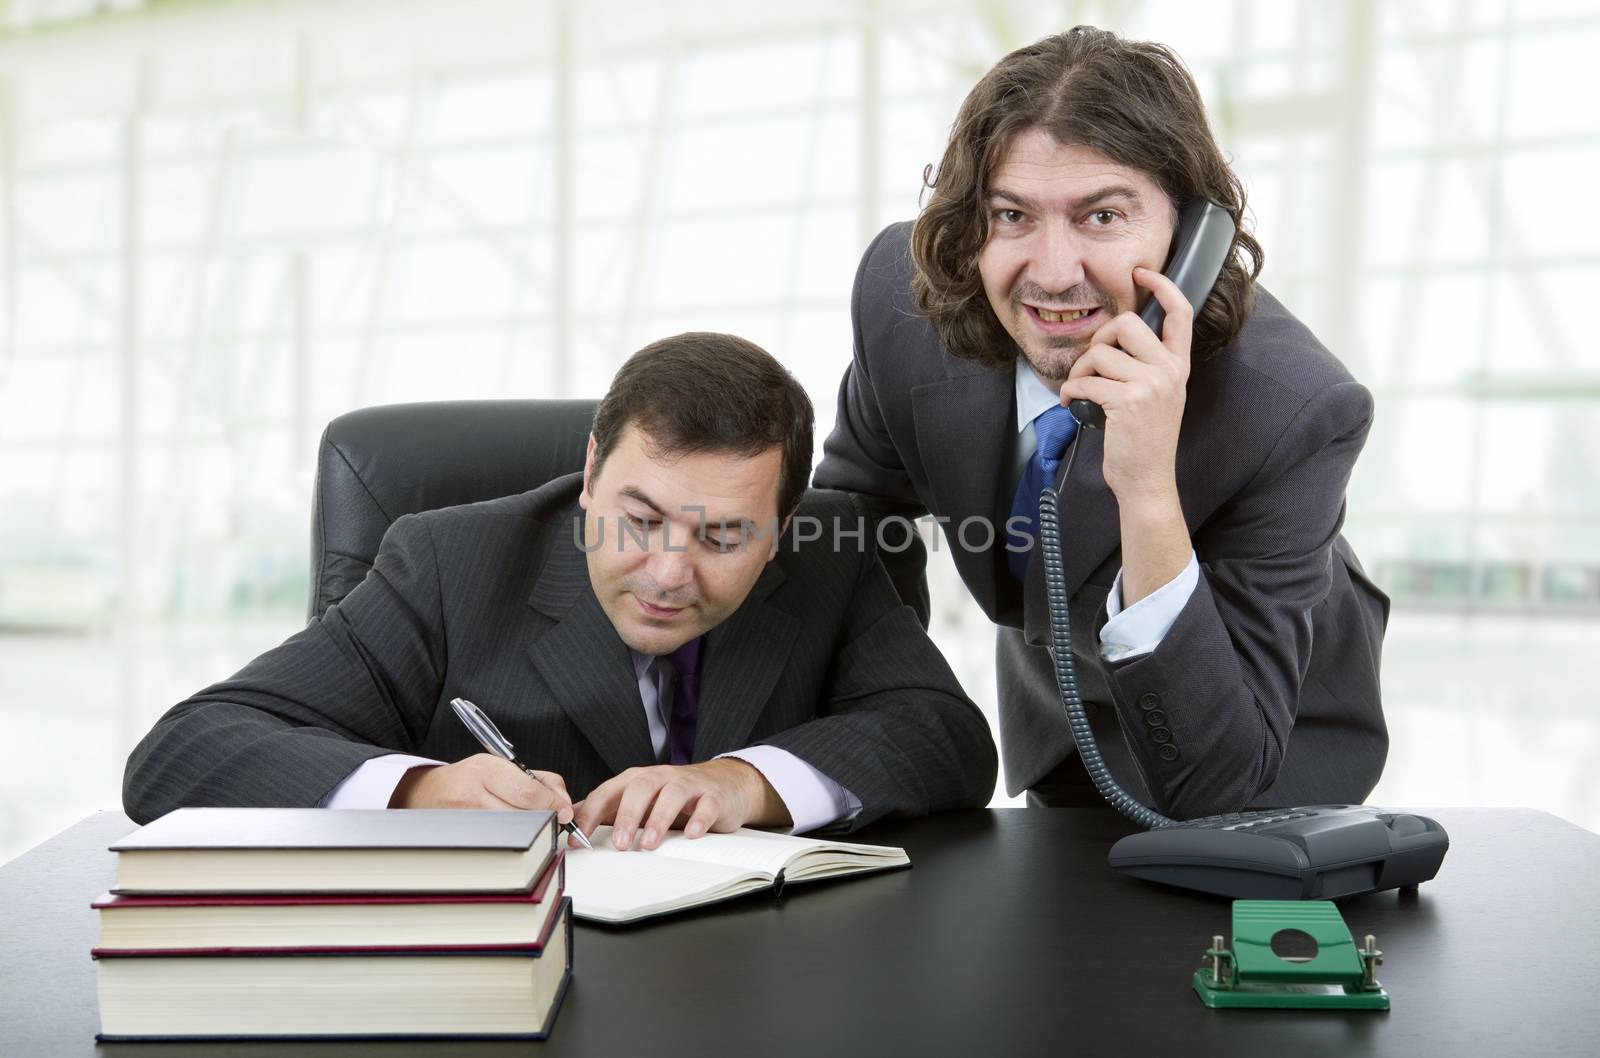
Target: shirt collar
1034 395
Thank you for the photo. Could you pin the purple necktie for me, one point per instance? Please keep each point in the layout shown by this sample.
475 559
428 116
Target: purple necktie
685 701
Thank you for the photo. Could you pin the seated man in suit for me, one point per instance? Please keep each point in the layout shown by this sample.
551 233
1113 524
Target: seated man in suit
649 633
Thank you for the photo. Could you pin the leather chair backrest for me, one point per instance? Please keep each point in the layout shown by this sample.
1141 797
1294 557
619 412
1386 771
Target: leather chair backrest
377 464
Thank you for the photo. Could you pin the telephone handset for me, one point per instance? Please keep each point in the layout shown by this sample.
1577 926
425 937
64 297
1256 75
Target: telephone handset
1199 247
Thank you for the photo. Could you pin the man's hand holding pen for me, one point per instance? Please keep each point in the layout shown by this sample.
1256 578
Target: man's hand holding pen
489 737
483 781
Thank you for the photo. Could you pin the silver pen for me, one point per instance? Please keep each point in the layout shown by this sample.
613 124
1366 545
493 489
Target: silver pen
491 739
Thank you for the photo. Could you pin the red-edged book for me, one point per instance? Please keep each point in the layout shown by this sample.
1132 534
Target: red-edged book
307 923
396 994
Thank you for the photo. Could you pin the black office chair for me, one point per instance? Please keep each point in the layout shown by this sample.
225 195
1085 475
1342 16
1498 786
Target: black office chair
377 464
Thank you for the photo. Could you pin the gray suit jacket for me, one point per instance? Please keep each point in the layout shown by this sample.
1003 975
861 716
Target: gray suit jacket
1265 690
492 602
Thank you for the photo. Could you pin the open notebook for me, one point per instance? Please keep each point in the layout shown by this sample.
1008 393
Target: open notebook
611 886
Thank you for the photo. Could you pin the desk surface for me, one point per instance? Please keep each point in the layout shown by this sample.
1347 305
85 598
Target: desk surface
1009 935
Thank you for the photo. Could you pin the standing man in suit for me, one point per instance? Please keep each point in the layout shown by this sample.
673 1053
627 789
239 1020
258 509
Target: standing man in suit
1227 640
644 632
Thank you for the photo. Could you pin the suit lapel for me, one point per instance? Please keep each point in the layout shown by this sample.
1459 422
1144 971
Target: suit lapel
586 664
964 424
744 656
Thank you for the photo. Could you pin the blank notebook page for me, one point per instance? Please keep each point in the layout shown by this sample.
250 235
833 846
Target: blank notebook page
606 883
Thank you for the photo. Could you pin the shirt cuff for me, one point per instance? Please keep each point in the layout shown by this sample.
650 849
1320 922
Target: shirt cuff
1140 628
372 784
813 799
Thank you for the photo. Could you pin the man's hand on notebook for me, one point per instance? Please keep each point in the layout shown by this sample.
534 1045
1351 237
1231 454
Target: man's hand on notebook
483 781
719 795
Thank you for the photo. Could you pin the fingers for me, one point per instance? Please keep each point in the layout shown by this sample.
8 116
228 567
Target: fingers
518 789
670 801
1177 329
1126 368
635 803
1102 391
558 786
707 813
601 805
550 779
494 802
1132 337
1106 361
464 784
1130 333
473 794
643 804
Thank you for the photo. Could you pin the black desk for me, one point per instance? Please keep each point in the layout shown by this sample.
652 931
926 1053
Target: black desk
1008 936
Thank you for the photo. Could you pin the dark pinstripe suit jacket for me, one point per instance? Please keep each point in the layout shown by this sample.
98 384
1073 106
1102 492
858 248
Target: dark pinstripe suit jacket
1265 690
492 602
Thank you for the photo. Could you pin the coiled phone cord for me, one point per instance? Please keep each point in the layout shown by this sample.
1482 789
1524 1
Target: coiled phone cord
1055 589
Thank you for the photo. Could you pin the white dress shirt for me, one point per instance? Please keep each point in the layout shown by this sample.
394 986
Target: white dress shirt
1138 629
813 799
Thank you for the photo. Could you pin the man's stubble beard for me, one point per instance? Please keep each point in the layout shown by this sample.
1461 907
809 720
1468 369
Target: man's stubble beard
1054 361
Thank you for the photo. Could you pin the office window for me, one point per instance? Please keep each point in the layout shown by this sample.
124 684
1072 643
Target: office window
225 224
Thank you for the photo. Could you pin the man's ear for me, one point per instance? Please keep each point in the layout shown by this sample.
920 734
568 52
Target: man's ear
584 497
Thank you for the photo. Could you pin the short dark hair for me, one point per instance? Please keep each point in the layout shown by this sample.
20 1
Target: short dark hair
703 391
1135 103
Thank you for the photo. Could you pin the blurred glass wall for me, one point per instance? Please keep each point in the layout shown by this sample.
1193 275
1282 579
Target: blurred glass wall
223 224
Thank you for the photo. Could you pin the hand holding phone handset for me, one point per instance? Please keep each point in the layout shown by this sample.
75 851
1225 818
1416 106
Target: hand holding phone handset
1200 245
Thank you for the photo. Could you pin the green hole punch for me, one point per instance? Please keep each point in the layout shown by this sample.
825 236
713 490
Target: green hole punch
1329 974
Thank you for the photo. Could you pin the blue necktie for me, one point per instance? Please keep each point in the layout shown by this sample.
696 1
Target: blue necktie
685 702
1053 428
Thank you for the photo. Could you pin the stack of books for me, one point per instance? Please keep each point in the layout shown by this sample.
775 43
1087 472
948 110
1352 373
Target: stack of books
312 923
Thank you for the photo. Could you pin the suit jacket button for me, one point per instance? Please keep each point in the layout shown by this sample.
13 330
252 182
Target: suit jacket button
1155 718
1168 753
1161 736
1149 701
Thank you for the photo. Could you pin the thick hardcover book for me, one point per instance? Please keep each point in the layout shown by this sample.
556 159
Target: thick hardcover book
321 850
389 995
680 873
221 925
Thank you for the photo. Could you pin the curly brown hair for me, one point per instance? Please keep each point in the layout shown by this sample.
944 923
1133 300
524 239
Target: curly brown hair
1135 103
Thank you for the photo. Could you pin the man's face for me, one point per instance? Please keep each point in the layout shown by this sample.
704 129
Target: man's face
700 517
1067 227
